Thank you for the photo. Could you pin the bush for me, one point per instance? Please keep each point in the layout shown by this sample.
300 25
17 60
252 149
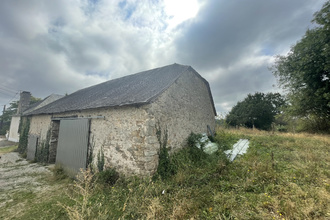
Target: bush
59 172
24 133
195 154
107 177
165 167
225 140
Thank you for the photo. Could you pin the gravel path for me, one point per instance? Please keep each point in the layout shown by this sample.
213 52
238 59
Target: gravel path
17 174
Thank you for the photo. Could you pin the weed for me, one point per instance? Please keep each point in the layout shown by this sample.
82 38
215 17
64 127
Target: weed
83 207
165 168
42 151
107 177
225 139
24 128
59 173
90 155
100 160
195 154
282 176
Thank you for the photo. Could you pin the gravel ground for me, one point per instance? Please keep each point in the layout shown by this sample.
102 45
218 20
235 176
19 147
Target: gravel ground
17 174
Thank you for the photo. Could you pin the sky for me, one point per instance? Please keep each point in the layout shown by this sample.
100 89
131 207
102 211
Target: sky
65 45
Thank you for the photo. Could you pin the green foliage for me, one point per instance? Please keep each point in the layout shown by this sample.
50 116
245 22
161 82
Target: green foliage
23 140
225 139
195 154
90 155
42 151
282 176
9 112
258 110
305 73
82 197
59 173
165 167
5 118
107 177
100 160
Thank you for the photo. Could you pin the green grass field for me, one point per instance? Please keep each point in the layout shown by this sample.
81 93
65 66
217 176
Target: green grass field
282 176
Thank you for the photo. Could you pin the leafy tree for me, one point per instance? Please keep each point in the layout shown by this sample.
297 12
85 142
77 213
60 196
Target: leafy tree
257 110
304 73
9 112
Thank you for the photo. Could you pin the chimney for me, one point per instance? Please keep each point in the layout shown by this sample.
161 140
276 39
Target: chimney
24 102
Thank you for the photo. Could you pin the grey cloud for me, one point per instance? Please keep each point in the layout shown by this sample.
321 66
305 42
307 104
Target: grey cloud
62 46
227 34
226 31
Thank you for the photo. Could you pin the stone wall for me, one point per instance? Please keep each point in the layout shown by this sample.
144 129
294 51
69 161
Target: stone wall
127 134
184 108
39 126
123 134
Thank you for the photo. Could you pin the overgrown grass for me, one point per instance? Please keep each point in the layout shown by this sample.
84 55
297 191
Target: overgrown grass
282 176
4 150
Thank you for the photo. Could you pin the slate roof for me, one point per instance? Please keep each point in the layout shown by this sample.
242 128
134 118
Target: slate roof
49 99
137 89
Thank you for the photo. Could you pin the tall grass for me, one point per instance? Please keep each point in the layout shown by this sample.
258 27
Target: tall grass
282 176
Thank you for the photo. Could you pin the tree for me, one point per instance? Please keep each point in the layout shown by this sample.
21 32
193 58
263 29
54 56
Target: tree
304 73
9 112
6 117
258 110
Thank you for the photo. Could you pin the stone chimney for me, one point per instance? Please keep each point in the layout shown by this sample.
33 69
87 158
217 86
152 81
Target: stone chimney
24 102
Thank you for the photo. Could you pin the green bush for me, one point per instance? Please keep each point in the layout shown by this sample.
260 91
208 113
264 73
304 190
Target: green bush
24 133
225 139
195 154
59 172
107 177
165 167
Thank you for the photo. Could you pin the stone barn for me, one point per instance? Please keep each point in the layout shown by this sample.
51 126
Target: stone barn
119 118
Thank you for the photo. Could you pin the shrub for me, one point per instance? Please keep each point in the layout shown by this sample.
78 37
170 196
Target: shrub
24 133
59 173
195 154
107 177
165 167
225 140
100 160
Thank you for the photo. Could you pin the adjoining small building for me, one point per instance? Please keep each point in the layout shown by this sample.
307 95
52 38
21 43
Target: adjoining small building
119 118
23 108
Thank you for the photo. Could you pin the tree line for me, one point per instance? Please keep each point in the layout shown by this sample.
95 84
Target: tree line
304 75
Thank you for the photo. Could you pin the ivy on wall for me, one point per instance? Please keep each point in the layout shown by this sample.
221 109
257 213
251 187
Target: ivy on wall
24 128
42 151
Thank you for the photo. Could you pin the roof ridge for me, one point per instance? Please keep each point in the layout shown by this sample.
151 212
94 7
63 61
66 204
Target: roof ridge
134 89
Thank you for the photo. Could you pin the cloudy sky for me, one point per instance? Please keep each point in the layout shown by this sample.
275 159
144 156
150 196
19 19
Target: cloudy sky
65 45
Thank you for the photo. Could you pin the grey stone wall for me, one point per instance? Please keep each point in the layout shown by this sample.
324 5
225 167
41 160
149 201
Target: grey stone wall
184 108
122 133
39 126
128 134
